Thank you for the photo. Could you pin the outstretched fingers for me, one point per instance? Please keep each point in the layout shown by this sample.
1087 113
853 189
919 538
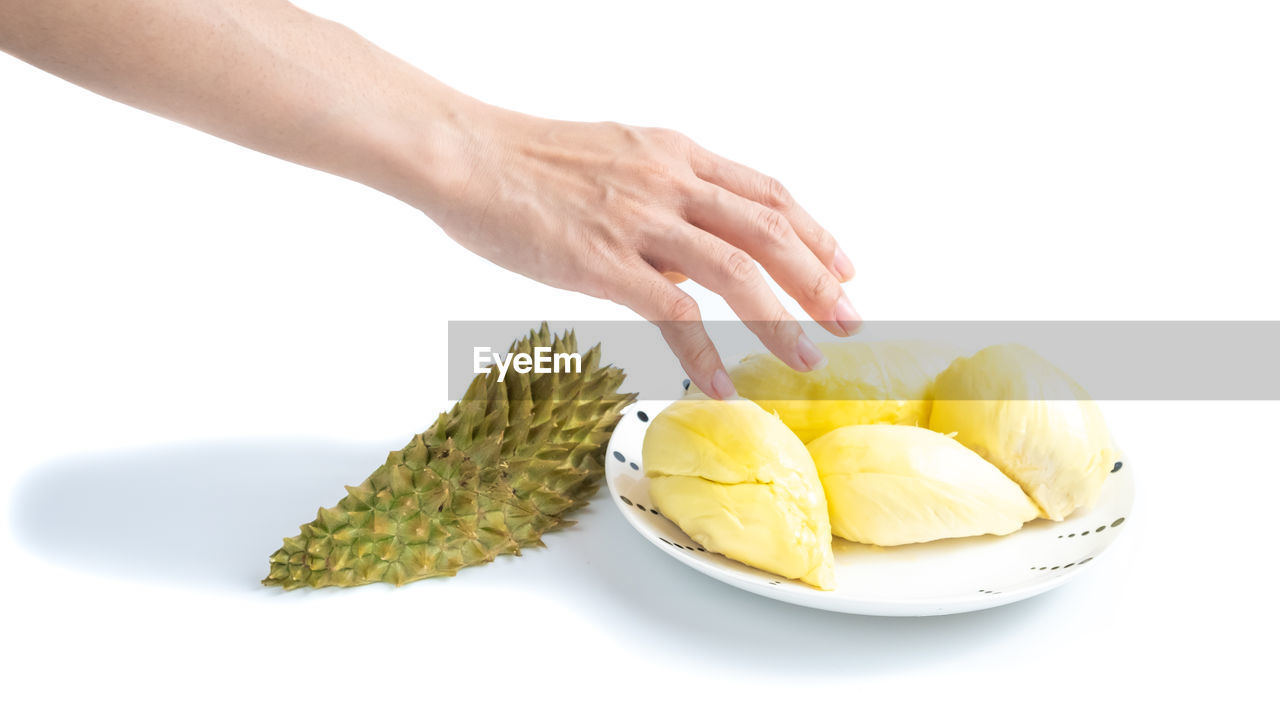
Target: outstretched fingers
767 191
731 273
766 235
676 314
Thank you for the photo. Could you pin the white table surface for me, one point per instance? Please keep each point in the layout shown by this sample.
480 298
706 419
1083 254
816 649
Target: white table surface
202 345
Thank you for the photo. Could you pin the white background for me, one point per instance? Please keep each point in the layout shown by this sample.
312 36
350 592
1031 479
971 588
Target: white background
203 344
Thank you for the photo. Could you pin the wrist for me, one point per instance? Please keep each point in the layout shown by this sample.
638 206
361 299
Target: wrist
427 145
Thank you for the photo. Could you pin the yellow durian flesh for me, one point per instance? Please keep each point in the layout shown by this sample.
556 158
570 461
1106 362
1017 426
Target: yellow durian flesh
738 482
1029 419
894 485
862 383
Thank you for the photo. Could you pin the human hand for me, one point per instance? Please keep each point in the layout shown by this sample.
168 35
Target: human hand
627 213
612 211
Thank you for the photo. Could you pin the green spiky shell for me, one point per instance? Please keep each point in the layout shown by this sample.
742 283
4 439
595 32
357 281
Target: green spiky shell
488 478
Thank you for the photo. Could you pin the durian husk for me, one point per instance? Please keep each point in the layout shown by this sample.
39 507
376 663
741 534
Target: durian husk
488 478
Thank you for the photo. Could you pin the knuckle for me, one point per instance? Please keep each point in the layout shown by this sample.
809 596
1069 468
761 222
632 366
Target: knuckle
773 226
739 268
661 177
717 197
681 307
823 289
824 244
687 183
776 329
650 224
667 135
775 194
683 192
704 355
781 326
627 132
668 138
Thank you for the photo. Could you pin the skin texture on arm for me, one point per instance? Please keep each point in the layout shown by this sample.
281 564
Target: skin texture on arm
612 211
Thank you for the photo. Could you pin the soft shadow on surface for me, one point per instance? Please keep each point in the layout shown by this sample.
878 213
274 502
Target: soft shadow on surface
644 597
207 516
204 515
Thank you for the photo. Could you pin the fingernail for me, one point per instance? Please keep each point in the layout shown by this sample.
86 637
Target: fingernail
722 386
843 265
846 317
810 356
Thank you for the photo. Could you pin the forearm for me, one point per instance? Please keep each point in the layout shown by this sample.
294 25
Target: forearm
260 73
609 210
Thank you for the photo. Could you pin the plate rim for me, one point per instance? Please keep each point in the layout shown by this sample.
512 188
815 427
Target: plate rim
787 592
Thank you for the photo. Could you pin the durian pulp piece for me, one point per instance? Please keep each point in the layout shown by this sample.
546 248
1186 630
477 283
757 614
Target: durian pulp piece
738 482
898 484
488 478
862 383
1029 419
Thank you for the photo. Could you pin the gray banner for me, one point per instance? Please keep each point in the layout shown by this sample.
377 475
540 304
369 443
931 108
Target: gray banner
1112 360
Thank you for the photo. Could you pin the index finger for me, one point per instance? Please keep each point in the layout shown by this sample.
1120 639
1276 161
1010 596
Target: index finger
676 314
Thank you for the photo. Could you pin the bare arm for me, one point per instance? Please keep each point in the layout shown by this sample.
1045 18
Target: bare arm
609 210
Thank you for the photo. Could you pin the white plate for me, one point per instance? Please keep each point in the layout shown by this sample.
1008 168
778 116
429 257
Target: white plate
937 578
